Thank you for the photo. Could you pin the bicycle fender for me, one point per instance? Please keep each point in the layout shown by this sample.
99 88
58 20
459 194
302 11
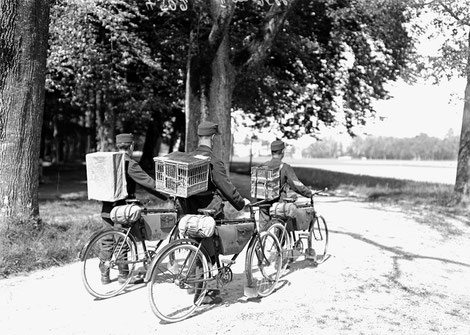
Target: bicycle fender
81 254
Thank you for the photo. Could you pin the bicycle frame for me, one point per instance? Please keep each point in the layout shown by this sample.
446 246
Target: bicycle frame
255 236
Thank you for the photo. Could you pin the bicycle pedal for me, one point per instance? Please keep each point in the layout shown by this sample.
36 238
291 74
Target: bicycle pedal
141 270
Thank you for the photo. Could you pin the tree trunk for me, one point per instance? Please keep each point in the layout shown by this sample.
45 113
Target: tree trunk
152 142
24 35
461 187
192 100
220 102
101 138
209 82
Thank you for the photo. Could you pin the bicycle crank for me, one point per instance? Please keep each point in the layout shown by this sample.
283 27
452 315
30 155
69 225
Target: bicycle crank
225 276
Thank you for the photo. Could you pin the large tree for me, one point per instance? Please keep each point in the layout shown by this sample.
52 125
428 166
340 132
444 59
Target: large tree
296 62
451 20
23 47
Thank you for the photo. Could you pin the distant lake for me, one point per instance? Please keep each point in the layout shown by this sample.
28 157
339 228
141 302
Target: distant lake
430 171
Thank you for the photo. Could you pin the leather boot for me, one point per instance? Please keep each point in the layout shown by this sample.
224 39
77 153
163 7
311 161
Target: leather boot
123 273
104 274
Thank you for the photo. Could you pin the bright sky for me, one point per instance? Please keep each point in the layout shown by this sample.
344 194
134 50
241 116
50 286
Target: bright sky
421 108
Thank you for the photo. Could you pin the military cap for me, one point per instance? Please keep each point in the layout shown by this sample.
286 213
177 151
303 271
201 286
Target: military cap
124 138
277 145
207 128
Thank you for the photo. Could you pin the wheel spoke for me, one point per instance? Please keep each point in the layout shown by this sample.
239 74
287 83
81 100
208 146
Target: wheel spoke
102 263
178 282
264 264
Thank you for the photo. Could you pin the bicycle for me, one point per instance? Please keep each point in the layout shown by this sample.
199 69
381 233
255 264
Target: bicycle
314 229
121 244
178 277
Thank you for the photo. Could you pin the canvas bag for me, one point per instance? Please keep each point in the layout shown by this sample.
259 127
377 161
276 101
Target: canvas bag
303 218
232 238
283 210
157 226
197 225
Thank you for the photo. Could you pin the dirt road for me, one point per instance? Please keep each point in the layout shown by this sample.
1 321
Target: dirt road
389 273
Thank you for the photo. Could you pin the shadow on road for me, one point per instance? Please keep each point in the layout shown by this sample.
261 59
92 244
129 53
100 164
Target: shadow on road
403 254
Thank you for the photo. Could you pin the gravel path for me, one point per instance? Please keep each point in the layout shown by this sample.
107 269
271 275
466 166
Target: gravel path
389 273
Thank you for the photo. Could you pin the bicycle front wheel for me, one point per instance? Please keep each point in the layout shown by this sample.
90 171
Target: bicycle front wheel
279 230
108 262
178 282
318 239
263 264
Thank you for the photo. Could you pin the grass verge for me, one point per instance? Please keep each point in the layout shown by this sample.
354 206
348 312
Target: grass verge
56 240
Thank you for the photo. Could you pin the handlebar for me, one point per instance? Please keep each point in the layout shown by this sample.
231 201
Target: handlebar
320 192
259 203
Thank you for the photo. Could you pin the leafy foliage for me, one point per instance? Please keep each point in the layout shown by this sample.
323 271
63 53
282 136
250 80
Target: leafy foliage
328 64
445 22
109 57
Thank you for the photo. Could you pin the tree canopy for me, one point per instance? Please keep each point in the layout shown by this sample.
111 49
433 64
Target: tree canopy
120 65
327 65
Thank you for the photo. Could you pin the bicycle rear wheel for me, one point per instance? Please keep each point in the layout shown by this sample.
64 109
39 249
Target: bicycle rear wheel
108 254
263 264
178 282
285 241
318 239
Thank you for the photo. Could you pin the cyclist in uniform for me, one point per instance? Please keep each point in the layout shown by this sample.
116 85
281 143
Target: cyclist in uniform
288 180
220 188
134 175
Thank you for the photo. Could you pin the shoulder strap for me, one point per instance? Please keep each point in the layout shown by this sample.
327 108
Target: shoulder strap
280 180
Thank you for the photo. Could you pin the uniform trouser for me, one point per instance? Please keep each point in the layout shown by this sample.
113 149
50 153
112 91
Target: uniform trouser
264 218
208 244
108 246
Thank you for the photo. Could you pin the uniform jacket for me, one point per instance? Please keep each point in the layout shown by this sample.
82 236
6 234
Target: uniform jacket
288 178
134 175
219 188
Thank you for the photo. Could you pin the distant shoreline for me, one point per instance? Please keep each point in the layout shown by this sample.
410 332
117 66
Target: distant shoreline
443 172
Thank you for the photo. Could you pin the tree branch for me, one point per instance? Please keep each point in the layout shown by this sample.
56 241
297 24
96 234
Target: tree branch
222 17
260 45
452 13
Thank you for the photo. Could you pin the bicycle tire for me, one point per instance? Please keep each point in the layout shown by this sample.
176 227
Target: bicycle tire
176 287
318 238
263 272
278 228
95 259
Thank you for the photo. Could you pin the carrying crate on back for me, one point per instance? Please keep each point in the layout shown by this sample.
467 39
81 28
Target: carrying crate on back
181 174
265 182
106 176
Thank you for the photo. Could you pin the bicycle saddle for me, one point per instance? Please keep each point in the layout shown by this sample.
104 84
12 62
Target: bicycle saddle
206 211
289 199
133 201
